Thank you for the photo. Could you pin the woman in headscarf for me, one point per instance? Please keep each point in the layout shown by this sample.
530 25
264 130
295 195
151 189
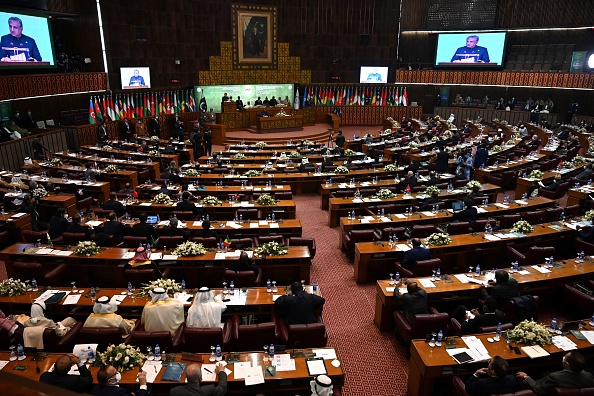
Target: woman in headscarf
321 386
206 310
37 323
104 316
162 313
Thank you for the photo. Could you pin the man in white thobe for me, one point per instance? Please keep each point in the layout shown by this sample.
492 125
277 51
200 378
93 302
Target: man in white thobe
162 313
206 310
104 316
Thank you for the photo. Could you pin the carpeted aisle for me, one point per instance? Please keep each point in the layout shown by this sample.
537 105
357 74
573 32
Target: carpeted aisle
372 360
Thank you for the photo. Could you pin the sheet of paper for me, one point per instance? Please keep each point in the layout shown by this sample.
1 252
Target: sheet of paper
476 345
94 223
145 204
156 256
163 223
491 237
197 224
5 362
283 362
589 334
152 368
184 298
426 282
263 222
64 252
328 353
429 214
461 277
254 376
208 372
118 298
72 299
564 343
403 247
273 225
357 201
401 216
128 255
44 251
220 256
540 269
384 219
316 367
240 368
170 257
521 202
254 225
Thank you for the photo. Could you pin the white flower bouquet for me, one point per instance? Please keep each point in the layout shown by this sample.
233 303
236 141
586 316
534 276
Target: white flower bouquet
496 149
413 144
435 139
510 142
438 239
170 286
384 193
252 172
578 160
272 249
522 227
535 174
123 357
386 131
39 192
589 216
308 143
350 153
341 170
111 168
155 139
191 172
431 190
107 147
154 152
190 249
239 156
161 198
266 200
12 287
447 134
261 144
473 183
86 248
390 168
294 154
209 200
56 162
567 165
530 333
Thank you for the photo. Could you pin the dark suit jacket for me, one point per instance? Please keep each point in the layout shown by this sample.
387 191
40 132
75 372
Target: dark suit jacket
114 205
187 206
76 383
144 230
117 229
587 235
57 226
469 214
413 255
553 186
441 165
81 229
408 181
480 158
206 233
239 266
503 292
125 130
414 303
340 140
585 175
107 390
483 320
299 308
207 390
484 386
562 379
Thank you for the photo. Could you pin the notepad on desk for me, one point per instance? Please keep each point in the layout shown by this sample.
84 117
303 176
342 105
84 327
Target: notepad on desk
534 351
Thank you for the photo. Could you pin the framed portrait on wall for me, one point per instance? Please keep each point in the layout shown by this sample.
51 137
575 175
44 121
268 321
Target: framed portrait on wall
254 37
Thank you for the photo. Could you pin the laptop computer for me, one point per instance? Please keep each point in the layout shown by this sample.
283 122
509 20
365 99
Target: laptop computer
152 220
457 205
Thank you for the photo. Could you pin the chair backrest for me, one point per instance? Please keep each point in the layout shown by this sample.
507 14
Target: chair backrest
507 221
284 195
572 392
139 276
241 278
312 335
129 241
534 217
493 329
143 339
362 236
271 238
424 324
248 214
249 337
573 210
4 238
462 227
242 243
301 241
143 175
399 231
170 241
34 236
520 308
84 203
344 193
103 336
423 231
207 242
552 214
185 216
199 339
28 270
72 238
537 254
426 267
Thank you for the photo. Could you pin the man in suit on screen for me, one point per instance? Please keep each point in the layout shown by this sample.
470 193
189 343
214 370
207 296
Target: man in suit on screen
16 47
471 53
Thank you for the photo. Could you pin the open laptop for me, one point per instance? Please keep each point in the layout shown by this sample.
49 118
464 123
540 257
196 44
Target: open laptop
457 205
152 220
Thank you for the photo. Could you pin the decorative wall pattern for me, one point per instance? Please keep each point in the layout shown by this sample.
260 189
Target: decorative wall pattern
13 87
372 115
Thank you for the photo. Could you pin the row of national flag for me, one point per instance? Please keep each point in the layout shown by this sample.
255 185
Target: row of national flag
135 105
355 96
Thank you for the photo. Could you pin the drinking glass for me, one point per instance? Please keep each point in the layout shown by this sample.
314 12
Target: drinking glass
13 355
265 359
74 289
470 273
391 279
149 353
213 356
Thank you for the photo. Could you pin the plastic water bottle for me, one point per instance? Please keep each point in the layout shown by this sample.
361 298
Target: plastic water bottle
34 284
218 353
315 287
129 287
273 217
553 325
478 270
439 338
183 284
438 274
207 217
562 217
268 286
498 332
437 207
231 287
90 355
271 350
20 352
93 293
489 228
397 278
383 211
515 266
394 239
157 352
353 214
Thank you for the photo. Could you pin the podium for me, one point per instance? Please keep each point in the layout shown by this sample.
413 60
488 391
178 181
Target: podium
228 107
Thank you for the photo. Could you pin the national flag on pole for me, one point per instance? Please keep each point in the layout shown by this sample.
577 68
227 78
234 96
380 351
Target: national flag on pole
98 114
116 108
160 103
152 98
401 101
182 104
130 106
121 108
405 96
374 97
125 108
396 98
168 109
175 103
92 119
227 242
147 106
296 102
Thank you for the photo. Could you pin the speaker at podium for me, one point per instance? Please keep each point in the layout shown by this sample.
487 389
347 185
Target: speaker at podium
229 107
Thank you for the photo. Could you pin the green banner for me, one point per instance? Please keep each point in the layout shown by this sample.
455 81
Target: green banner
444 94
248 93
577 61
5 113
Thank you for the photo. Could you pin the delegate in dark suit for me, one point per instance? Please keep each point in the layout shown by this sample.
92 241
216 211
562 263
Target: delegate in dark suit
480 158
469 214
125 130
417 253
340 140
299 307
587 235
586 174
441 164
60 377
503 290
144 230
113 204
484 386
414 301
115 228
187 206
80 229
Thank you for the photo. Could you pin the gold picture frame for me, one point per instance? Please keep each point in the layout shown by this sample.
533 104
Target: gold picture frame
254 37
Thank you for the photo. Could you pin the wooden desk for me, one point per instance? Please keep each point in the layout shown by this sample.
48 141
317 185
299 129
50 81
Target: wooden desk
374 261
271 147
15 226
481 174
577 196
153 167
279 124
117 180
526 185
339 207
386 301
223 191
50 204
263 159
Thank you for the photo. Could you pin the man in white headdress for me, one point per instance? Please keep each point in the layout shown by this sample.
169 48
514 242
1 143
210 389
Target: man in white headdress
104 316
321 386
161 313
206 310
37 323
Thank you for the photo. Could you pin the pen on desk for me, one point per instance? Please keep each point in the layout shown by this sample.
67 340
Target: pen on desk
156 371
207 370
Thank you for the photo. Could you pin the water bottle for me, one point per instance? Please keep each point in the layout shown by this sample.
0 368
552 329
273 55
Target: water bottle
383 211
436 207
240 217
271 350
183 285
218 352
273 217
315 287
93 293
438 275
498 332
129 287
20 352
207 217
450 186
157 352
553 325
394 239
515 266
268 286
582 256
562 217
439 338
90 355
410 210
397 278
478 270
489 228
231 287
34 284
353 214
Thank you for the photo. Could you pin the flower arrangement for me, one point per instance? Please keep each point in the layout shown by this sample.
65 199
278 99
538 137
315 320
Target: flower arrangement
308 143
210 201
341 170
495 119
294 154
390 168
438 239
253 172
56 162
112 168
281 114
589 216
187 142
123 357
169 285
154 152
447 134
387 131
435 139
190 249
39 192
529 332
161 198
578 160
261 144
413 144
239 156
349 152
384 193
510 142
516 135
566 165
87 248
107 147
265 199
12 287
496 149
535 174
191 172
522 227
432 190
271 248
155 139
473 183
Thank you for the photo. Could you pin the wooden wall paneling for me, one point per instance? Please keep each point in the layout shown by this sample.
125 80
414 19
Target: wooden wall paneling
13 154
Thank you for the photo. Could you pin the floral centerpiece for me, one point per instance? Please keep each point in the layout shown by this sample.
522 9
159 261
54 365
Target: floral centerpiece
155 139
191 172
161 198
578 160
239 156
188 142
294 154
122 357
447 134
495 119
253 172
435 139
472 184
432 190
413 144
510 142
261 144
170 286
190 249
107 147
87 248
384 193
496 149
522 227
589 216
39 192
529 332
349 152
341 170
566 165
387 131
56 162
390 168
438 239
265 199
308 143
272 249
535 174
12 287
112 168
154 152
209 200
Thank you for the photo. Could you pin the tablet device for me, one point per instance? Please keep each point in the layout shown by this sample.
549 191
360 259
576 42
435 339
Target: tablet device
151 220
457 205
